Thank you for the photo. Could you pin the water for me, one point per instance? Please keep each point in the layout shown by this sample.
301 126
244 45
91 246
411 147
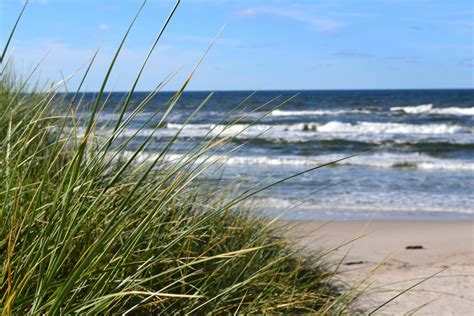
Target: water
415 149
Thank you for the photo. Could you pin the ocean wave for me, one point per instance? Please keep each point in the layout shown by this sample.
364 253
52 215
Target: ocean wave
383 160
317 112
330 127
428 109
422 108
368 204
453 111
391 128
368 132
386 160
112 116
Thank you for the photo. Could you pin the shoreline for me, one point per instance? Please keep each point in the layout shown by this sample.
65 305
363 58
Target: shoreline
378 249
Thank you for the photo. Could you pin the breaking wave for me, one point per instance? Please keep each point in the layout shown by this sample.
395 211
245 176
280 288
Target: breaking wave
369 132
330 127
428 109
317 112
379 160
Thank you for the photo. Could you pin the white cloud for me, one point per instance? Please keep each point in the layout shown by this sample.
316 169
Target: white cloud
353 53
323 25
41 2
60 57
206 40
103 27
246 12
468 62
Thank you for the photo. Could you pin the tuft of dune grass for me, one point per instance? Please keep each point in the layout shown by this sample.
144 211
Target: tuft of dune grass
85 228
151 240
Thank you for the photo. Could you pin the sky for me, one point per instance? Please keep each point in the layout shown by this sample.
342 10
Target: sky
265 45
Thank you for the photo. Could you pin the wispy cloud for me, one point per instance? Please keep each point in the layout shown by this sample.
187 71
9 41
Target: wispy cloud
416 28
246 12
468 62
103 27
42 2
353 54
404 59
204 39
466 24
323 25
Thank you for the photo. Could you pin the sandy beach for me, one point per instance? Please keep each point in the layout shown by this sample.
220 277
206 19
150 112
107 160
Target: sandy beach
380 251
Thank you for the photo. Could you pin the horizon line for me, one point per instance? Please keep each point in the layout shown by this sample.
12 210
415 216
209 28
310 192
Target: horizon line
285 90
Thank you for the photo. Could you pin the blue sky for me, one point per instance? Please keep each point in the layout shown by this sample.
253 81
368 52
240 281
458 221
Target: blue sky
272 44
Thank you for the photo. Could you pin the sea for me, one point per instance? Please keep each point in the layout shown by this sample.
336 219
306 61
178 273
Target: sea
401 154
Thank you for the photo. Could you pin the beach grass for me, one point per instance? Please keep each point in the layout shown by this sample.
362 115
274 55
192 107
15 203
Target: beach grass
88 227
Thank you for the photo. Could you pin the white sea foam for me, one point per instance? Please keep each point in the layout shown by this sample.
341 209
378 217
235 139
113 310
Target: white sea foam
372 132
368 203
317 112
385 160
428 109
422 108
285 130
390 128
379 160
113 116
453 111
